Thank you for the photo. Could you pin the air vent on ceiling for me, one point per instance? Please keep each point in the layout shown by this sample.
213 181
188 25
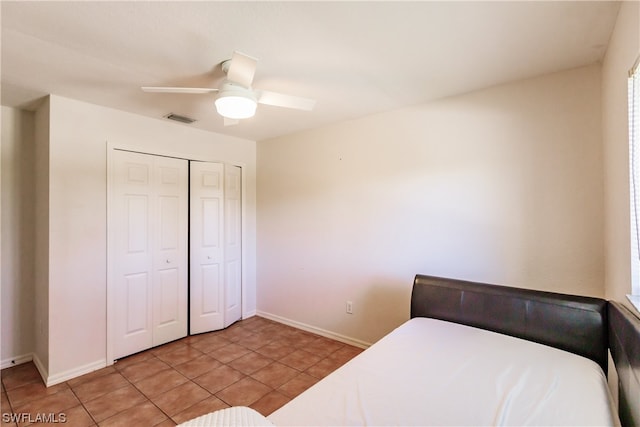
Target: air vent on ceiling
178 118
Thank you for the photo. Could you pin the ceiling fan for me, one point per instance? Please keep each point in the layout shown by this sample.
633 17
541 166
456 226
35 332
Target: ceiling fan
236 98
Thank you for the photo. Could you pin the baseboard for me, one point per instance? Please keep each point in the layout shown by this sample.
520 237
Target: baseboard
40 367
16 360
319 331
75 372
249 314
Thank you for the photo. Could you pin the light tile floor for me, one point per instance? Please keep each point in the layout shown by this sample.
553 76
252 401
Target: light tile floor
254 362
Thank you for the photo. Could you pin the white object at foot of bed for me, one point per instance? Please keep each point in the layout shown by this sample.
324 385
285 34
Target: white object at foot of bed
431 372
236 416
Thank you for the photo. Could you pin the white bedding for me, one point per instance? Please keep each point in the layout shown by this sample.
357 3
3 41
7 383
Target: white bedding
431 372
236 416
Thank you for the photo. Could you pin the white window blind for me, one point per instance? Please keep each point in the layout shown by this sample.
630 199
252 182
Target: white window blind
634 176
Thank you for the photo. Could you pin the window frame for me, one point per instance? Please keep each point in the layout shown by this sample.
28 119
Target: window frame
633 99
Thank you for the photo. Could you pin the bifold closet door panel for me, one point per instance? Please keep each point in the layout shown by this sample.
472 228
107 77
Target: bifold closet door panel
207 247
233 244
148 223
132 191
170 256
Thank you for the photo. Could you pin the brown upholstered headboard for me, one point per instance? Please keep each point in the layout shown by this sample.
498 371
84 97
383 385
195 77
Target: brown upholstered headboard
573 323
624 341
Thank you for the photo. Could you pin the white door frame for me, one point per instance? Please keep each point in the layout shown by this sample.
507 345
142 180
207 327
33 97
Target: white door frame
110 147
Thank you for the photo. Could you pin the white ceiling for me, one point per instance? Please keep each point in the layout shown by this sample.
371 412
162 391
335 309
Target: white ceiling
355 58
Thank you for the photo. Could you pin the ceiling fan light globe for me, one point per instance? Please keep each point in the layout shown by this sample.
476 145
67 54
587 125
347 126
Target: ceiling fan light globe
235 106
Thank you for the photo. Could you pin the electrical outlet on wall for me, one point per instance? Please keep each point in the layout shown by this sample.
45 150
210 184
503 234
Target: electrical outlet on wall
349 307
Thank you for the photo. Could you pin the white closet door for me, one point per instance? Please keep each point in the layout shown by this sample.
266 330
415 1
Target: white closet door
170 281
233 244
132 190
149 228
206 243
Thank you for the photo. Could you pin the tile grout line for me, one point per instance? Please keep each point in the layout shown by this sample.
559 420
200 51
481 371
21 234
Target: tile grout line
253 339
141 392
172 367
82 404
4 390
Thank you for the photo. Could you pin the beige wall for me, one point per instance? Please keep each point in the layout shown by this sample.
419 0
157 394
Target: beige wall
71 189
17 231
624 48
502 185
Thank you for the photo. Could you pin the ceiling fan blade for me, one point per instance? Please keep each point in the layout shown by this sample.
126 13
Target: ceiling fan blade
242 69
288 101
193 90
230 122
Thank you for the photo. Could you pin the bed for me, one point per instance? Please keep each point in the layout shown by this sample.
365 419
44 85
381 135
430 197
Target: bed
624 342
479 354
